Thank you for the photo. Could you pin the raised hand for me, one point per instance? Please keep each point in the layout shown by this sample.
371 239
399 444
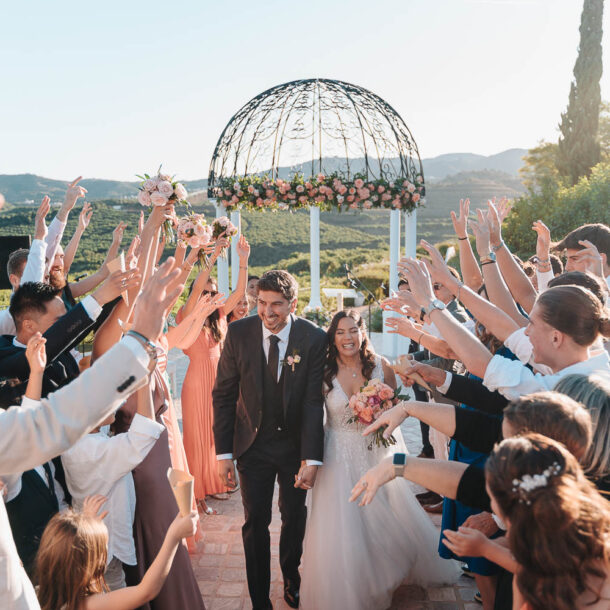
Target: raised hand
84 218
208 304
36 353
115 284
221 243
73 193
436 265
158 293
430 374
92 506
481 231
131 258
141 222
117 234
419 281
543 241
370 482
494 223
401 326
40 225
390 419
460 223
392 304
504 207
243 248
591 258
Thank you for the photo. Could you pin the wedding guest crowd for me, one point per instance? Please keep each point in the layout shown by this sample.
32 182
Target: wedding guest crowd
510 370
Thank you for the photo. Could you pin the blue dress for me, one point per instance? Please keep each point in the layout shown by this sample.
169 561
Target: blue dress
454 512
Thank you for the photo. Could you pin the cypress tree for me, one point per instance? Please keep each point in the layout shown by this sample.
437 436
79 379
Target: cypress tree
579 148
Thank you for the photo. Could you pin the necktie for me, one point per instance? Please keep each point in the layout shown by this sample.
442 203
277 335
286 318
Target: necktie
50 481
274 356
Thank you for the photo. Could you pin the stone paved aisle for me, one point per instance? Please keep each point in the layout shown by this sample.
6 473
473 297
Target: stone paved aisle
220 568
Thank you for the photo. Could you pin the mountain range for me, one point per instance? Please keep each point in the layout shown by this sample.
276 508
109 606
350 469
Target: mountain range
444 174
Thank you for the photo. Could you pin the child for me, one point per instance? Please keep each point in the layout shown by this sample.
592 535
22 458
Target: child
73 557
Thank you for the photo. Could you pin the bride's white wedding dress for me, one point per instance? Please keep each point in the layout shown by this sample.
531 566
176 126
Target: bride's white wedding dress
356 557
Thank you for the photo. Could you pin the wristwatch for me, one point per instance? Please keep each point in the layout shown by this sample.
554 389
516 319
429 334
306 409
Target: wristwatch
496 248
398 461
435 304
490 258
149 346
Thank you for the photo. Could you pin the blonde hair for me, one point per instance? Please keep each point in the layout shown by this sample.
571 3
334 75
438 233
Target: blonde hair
559 525
71 560
593 392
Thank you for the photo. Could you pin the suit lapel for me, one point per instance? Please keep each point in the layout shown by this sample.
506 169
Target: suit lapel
258 359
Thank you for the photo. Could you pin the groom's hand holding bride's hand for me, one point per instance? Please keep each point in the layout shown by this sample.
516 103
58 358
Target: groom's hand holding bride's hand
306 476
226 471
391 419
369 484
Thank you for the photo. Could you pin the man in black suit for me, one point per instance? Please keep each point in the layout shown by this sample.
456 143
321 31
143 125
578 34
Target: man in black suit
268 413
37 307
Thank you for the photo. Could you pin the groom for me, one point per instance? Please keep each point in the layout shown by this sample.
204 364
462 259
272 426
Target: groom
268 411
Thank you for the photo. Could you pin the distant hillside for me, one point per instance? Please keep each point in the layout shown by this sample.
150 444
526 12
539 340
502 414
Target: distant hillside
25 188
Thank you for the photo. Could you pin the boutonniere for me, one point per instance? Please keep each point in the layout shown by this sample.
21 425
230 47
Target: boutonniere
293 360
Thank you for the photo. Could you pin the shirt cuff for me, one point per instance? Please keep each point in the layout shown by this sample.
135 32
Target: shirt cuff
313 463
544 277
146 426
138 351
29 403
224 456
445 385
92 307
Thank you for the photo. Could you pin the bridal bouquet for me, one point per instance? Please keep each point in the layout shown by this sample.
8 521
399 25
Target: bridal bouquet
160 190
223 225
195 232
369 403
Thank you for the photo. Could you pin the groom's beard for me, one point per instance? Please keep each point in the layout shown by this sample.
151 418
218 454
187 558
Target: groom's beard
274 322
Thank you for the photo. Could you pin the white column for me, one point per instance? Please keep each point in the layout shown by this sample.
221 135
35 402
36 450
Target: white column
223 263
411 234
236 220
389 340
314 254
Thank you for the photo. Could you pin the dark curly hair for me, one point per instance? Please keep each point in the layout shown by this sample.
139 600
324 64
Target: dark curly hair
367 354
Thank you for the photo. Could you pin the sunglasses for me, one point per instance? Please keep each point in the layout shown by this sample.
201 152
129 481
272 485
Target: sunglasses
437 286
211 292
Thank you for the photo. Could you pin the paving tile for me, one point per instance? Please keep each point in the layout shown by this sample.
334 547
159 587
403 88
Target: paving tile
209 560
230 589
441 594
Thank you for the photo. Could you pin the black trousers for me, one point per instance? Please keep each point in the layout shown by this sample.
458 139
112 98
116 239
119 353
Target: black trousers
422 395
270 457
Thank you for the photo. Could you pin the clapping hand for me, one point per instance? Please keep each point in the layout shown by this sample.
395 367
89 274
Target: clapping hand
92 506
370 482
390 419
40 225
460 223
36 353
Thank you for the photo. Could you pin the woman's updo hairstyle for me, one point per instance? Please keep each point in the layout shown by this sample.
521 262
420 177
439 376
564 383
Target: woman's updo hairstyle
575 311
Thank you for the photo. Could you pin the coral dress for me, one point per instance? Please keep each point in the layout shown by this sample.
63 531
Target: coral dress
197 411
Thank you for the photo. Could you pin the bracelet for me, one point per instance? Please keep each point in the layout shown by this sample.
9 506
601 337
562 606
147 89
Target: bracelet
421 334
498 247
457 296
463 238
545 261
243 267
149 346
487 262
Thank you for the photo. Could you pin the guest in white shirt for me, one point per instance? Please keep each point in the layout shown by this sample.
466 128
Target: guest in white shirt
102 464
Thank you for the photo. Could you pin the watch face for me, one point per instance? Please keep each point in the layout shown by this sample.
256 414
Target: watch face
400 459
438 304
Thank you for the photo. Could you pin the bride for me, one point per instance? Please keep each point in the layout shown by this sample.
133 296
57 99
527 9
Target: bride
355 558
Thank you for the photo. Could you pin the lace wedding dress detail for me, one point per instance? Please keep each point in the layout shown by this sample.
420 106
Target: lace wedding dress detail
355 557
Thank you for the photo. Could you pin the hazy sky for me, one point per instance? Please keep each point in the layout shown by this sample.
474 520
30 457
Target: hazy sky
112 89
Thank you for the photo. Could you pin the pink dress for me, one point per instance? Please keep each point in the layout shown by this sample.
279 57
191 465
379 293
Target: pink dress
197 411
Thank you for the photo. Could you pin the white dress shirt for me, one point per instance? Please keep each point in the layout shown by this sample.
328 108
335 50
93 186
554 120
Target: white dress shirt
34 436
282 346
101 464
54 235
512 379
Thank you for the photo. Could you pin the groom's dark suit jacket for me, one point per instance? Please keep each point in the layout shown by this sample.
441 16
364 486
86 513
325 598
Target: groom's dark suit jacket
238 393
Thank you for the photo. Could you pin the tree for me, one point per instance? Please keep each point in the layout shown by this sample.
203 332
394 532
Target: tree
579 148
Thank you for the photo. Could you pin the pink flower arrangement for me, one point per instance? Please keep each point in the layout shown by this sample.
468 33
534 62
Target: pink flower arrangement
369 403
223 225
326 192
194 231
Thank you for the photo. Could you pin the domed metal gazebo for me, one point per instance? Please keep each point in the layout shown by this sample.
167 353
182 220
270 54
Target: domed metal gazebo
321 144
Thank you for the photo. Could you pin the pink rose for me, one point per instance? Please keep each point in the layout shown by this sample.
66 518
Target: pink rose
415 198
342 189
350 198
411 187
367 415
250 189
386 197
234 199
158 198
380 189
396 203
181 191
269 193
300 188
165 188
150 184
144 198
321 177
227 192
259 201
364 193
359 183
419 178
193 242
367 205
308 185
200 230
303 199
354 206
386 393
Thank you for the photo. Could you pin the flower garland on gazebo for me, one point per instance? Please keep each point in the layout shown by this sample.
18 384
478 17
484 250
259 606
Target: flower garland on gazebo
325 192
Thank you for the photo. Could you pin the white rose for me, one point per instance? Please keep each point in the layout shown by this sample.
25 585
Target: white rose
165 188
200 230
150 184
236 186
180 191
144 198
158 198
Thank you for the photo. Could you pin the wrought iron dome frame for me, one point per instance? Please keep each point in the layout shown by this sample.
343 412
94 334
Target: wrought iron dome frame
310 133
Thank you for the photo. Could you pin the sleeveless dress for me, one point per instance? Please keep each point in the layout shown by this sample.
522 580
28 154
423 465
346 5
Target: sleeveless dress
198 413
356 557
